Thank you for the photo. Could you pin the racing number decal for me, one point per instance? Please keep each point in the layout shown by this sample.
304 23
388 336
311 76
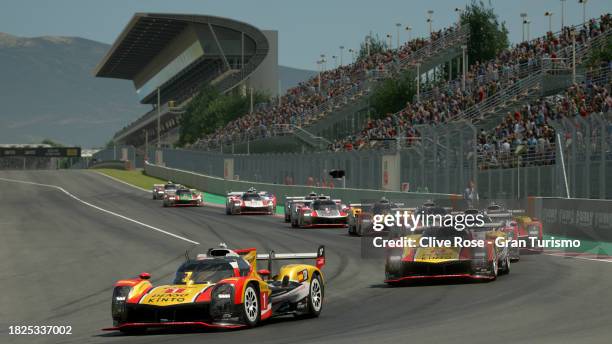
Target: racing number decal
187 278
264 299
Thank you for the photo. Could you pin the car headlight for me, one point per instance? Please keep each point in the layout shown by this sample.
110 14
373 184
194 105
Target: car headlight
118 308
222 301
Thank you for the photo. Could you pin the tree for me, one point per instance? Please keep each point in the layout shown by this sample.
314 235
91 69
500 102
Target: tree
601 55
487 35
51 143
377 45
210 110
393 94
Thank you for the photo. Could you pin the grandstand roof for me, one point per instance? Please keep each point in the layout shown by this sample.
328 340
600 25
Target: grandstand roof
148 33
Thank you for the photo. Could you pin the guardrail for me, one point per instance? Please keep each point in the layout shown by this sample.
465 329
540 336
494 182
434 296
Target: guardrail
220 186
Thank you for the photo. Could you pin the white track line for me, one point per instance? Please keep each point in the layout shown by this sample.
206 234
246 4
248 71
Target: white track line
214 205
101 209
578 257
122 182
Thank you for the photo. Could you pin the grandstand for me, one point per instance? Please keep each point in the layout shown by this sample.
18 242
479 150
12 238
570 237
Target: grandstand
316 111
169 57
529 119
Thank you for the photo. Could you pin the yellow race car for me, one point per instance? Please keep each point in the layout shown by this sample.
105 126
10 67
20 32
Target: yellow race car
221 288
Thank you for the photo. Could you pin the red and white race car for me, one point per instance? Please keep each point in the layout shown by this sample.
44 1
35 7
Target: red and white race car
323 212
249 202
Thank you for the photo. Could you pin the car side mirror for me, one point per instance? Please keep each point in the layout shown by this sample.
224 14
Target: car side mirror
144 276
264 272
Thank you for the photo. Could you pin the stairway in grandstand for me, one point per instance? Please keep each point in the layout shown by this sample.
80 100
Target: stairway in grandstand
545 82
340 115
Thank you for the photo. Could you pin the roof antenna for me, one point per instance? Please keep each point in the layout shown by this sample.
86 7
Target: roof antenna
187 251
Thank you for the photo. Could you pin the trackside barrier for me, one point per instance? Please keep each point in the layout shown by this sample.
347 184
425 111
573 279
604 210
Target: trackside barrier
220 186
113 164
581 218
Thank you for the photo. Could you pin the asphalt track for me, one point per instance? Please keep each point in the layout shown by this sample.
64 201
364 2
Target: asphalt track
59 259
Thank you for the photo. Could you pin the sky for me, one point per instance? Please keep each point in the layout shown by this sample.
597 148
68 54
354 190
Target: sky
307 28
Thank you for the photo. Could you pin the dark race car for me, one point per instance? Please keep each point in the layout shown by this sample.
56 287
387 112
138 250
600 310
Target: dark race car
323 212
498 214
160 190
183 197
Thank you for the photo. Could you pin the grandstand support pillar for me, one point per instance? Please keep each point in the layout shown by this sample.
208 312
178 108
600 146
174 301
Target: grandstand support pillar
418 85
158 118
212 31
573 57
464 59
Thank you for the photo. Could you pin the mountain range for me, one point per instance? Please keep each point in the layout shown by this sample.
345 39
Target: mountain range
48 91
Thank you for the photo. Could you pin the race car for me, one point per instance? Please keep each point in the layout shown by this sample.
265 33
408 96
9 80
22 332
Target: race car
221 289
498 214
249 202
354 211
290 200
159 190
270 197
364 221
322 212
528 229
294 209
429 261
183 197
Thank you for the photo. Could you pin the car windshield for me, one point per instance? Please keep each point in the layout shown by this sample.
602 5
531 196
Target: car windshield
444 233
251 197
204 271
382 208
170 187
324 205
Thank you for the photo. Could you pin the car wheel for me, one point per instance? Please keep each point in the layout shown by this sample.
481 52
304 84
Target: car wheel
294 223
250 308
494 267
506 266
315 296
228 211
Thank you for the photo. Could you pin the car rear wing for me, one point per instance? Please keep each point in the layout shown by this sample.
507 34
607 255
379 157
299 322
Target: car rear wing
158 185
234 193
272 256
517 211
499 215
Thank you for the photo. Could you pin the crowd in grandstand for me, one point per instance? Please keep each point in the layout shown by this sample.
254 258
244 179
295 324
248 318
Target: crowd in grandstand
300 104
528 131
483 79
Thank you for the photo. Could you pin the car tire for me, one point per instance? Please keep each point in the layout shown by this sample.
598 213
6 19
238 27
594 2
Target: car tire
228 211
294 223
494 267
316 295
251 310
506 266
